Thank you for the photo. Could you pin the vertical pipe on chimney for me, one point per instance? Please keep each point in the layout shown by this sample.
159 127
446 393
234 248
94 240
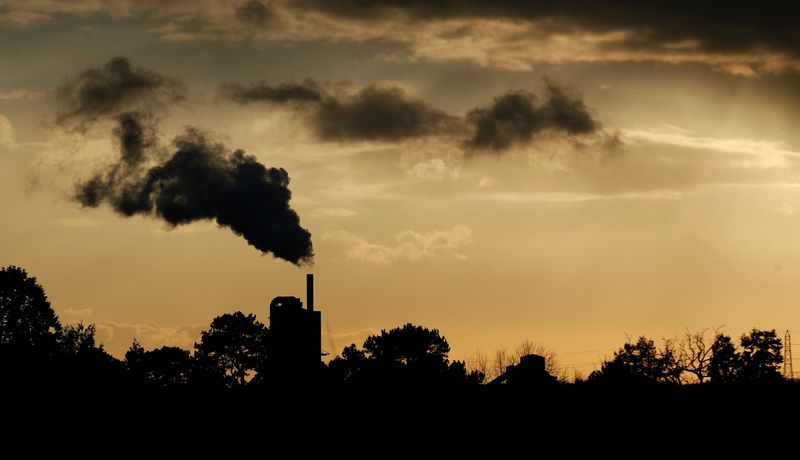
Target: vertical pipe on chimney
310 291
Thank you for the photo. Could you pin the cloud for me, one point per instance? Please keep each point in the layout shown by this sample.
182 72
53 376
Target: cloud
112 90
408 245
517 118
117 337
337 341
786 209
732 38
377 112
436 169
742 38
21 19
76 222
22 94
254 13
753 153
574 197
79 313
6 133
333 213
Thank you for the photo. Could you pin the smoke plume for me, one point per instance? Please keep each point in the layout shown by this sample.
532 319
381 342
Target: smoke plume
377 112
197 178
109 91
383 112
517 118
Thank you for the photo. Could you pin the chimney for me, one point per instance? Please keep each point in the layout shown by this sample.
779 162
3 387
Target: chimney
310 291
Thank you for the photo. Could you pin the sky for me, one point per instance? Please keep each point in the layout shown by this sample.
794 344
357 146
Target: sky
569 174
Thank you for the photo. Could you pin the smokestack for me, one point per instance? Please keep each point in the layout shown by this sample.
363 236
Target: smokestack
310 291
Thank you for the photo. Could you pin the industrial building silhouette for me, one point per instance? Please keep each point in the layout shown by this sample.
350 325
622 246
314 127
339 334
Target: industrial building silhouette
296 335
529 371
296 344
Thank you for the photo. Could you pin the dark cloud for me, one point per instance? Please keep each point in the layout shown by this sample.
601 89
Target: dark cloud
254 13
201 180
111 90
377 112
727 28
518 117
388 113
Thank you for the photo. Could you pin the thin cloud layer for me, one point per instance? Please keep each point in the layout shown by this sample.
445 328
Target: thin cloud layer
6 133
751 153
738 38
408 245
661 30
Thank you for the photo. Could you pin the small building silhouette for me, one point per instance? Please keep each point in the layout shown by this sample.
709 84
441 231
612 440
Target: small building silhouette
529 371
295 334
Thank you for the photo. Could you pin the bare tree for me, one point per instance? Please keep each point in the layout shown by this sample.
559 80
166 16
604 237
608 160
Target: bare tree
502 358
670 363
694 355
551 361
578 375
479 362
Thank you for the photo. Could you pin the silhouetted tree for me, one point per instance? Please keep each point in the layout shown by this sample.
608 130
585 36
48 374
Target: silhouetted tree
502 359
458 374
479 362
134 361
640 362
695 354
82 361
725 361
761 357
349 367
408 345
78 339
26 319
551 361
163 367
232 350
411 356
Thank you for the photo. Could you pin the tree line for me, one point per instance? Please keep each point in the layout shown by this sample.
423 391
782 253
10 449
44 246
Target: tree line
234 352
696 359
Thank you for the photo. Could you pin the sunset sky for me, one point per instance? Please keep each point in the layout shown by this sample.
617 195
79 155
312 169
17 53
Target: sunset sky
501 171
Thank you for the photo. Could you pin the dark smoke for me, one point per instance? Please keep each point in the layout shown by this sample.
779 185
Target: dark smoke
135 136
109 91
517 118
307 92
373 113
380 112
201 180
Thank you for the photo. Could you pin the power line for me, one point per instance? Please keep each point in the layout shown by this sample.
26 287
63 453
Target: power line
587 351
